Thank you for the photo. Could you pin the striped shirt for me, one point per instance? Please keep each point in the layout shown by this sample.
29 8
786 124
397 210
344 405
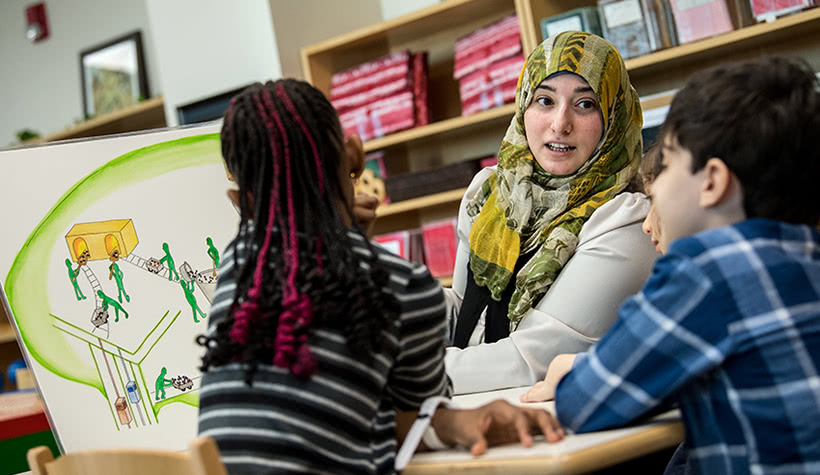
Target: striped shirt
728 325
341 420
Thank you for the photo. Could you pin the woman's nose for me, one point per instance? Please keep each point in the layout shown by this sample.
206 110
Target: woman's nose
562 120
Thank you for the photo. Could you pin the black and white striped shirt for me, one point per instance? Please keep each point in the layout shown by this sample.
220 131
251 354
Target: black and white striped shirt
341 420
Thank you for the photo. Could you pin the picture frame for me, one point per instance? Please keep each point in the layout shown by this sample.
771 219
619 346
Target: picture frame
113 75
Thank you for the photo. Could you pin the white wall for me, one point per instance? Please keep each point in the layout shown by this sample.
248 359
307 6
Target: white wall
211 46
40 82
305 22
394 8
193 48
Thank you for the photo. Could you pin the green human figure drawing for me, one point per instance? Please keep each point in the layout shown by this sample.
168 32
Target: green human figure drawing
172 270
106 301
213 253
162 383
116 273
72 274
189 296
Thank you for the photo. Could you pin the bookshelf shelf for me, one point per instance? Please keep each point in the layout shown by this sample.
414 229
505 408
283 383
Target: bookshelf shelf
786 28
420 203
148 114
437 129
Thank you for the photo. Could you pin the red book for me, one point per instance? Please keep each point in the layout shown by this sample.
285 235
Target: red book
380 118
420 99
366 75
397 243
490 87
698 19
486 46
440 247
763 9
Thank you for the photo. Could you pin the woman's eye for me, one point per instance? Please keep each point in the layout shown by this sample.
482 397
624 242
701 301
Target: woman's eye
543 100
587 104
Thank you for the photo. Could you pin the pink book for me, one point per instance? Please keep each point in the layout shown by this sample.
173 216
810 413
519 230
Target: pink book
698 19
397 243
440 247
763 8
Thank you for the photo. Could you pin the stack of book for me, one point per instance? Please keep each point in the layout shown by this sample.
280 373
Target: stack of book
638 27
382 96
487 64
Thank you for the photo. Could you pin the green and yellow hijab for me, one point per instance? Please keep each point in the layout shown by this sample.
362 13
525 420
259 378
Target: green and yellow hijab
523 210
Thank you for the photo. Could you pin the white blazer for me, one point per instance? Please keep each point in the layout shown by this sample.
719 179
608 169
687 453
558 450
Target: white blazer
612 261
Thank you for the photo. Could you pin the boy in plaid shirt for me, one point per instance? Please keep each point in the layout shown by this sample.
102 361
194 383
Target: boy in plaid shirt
728 324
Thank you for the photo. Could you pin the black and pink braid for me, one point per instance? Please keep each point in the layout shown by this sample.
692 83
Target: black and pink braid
283 141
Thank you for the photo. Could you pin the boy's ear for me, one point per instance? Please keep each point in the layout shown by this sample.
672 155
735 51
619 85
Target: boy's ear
716 188
354 150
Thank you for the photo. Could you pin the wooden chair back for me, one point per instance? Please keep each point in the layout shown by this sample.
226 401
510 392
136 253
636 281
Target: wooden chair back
202 458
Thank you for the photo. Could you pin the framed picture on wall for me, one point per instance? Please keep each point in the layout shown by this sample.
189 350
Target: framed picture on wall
113 75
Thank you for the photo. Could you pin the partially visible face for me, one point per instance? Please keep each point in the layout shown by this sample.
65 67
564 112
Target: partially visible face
651 225
675 194
563 124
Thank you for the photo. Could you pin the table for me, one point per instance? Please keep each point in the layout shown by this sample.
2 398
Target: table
575 453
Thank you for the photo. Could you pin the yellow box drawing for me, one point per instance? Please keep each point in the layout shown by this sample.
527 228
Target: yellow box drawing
101 239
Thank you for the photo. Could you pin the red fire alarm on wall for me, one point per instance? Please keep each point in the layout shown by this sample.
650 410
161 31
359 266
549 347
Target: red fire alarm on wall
36 22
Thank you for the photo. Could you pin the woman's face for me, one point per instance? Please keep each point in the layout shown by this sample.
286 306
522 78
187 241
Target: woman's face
563 124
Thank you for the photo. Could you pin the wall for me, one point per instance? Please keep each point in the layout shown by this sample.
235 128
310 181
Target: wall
211 46
394 8
41 81
298 24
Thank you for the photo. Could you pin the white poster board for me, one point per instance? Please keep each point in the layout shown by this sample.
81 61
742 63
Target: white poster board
108 272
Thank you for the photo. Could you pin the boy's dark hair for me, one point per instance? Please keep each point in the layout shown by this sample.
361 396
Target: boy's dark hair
762 118
283 145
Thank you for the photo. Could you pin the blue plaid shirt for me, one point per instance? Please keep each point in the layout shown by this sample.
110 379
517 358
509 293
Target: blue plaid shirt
728 326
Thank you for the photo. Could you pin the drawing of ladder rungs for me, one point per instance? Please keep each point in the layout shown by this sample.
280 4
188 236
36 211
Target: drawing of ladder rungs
146 265
95 283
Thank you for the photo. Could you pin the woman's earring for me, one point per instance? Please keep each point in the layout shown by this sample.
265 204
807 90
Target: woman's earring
354 178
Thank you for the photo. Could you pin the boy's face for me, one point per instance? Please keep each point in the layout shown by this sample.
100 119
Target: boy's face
675 193
652 225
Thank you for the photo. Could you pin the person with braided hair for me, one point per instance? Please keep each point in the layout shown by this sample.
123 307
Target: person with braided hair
321 346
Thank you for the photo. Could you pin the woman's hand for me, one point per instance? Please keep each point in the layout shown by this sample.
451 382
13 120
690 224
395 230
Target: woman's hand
364 208
496 423
545 390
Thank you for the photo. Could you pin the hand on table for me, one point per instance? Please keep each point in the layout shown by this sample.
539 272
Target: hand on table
496 423
545 390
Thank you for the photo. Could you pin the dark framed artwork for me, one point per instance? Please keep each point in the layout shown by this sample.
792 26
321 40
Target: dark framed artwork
113 75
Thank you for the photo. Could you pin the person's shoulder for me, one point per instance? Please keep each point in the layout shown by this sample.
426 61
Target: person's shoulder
478 179
621 211
749 236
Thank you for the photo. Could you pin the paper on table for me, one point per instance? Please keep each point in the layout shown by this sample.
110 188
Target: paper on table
571 443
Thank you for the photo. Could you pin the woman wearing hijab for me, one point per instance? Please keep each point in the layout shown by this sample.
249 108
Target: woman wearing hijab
550 241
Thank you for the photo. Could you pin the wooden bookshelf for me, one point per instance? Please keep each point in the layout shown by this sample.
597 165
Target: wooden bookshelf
148 114
502 114
6 333
728 44
420 203
451 138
